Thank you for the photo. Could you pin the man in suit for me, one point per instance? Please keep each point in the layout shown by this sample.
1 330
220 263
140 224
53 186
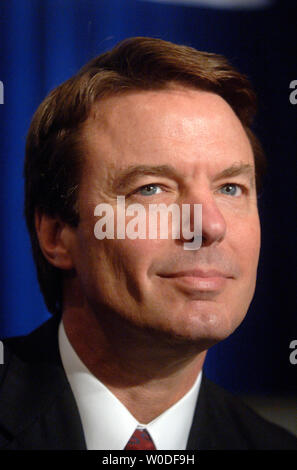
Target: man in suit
119 366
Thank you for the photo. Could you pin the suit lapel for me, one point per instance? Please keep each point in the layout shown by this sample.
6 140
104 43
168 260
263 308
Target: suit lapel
218 420
202 434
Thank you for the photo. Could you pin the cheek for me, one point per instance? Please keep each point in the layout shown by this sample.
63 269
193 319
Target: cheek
133 257
124 267
247 239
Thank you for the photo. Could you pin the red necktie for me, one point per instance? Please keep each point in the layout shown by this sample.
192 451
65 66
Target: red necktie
140 440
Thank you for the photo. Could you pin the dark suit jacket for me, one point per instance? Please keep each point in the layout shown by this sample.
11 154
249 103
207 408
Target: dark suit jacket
38 410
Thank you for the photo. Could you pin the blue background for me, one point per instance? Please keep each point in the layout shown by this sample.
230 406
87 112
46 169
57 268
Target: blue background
43 42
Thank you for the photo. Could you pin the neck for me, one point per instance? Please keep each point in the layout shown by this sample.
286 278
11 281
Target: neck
145 370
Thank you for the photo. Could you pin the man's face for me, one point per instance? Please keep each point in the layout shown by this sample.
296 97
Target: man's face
180 146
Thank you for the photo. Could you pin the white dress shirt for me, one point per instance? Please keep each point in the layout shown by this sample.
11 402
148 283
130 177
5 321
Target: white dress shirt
107 423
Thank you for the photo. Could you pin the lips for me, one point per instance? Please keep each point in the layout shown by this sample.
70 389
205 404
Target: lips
199 280
198 273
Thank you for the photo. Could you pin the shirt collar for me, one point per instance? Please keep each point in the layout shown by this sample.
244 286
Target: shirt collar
107 423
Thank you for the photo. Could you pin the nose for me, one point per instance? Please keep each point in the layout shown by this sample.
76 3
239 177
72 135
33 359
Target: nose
213 228
213 223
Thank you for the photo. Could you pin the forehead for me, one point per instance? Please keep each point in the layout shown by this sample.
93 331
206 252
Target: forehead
180 125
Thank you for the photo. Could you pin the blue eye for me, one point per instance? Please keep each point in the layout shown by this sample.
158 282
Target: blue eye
150 190
231 189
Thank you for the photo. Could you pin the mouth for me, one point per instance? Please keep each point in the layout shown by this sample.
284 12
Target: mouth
199 280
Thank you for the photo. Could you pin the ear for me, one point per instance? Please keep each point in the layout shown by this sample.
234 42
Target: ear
55 240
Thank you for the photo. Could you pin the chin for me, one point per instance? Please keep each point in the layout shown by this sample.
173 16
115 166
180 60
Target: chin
199 330
205 335
212 321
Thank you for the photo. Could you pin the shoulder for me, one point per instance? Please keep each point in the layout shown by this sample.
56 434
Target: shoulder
30 353
234 425
30 379
43 338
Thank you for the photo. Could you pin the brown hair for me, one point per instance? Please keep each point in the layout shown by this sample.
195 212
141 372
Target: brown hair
54 151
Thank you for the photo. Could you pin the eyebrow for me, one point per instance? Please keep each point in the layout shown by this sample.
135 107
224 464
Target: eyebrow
236 170
126 177
130 174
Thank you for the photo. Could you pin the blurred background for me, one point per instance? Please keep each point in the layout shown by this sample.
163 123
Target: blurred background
44 42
